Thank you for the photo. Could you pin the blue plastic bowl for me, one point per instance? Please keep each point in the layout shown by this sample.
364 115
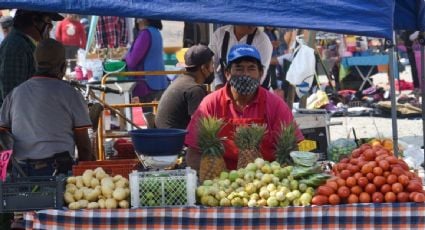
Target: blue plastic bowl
158 142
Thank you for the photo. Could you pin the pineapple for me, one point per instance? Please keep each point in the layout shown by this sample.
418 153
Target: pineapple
248 140
286 142
212 148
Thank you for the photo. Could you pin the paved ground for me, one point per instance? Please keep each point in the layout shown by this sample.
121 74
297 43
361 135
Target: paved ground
409 130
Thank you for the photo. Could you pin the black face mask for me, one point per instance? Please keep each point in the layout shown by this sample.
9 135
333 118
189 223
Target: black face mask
209 79
244 85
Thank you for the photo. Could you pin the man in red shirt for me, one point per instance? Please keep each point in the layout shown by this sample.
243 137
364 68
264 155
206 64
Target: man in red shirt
241 101
71 33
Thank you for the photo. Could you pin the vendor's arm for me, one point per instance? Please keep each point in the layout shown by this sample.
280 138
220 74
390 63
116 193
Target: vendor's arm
81 121
5 121
82 141
139 49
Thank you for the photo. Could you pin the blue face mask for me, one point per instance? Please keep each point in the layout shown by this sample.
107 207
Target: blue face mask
244 85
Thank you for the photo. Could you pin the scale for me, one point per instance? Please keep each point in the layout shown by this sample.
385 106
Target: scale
158 149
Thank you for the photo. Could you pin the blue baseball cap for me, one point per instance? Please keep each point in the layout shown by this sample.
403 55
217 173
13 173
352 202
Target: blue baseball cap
242 50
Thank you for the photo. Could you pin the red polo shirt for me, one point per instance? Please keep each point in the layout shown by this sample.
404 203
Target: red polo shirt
277 112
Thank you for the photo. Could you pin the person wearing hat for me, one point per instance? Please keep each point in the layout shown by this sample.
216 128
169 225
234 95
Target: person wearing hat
47 117
17 49
182 97
241 101
6 23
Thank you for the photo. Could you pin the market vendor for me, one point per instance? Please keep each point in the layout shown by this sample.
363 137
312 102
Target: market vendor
182 98
241 101
47 117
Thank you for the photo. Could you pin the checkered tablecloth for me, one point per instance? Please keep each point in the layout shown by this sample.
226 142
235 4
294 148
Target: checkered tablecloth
360 216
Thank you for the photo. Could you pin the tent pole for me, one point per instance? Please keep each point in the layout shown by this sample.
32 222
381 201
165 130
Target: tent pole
393 76
422 91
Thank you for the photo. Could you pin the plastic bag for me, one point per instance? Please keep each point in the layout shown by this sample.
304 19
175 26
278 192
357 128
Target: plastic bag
306 159
413 156
315 180
303 65
340 148
300 171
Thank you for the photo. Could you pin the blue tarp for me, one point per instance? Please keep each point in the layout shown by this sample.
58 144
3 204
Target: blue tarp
409 15
362 17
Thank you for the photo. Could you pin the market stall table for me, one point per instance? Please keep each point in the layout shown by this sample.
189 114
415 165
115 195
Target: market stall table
360 216
370 61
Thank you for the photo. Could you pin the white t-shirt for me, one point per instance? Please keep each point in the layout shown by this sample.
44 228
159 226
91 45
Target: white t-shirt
42 114
261 41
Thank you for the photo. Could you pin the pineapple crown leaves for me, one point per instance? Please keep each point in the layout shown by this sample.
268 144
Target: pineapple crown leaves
286 142
249 136
208 140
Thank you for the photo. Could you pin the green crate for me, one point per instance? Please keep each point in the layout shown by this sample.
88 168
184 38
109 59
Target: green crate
172 188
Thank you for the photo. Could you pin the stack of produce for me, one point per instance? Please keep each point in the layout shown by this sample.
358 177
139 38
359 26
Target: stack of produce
260 184
212 148
248 139
96 189
370 174
340 148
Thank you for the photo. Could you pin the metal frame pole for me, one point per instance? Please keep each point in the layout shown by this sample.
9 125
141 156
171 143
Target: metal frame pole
392 77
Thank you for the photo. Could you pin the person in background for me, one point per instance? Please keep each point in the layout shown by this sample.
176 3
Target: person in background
409 38
70 32
241 101
182 98
17 49
46 134
146 54
238 34
274 67
6 23
86 24
111 32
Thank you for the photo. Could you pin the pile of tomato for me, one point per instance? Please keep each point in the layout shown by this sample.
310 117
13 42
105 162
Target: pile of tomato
371 174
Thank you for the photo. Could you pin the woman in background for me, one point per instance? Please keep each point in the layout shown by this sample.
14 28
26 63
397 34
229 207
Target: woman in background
146 54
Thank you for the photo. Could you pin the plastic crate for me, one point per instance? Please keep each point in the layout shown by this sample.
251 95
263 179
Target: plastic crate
32 193
163 188
111 167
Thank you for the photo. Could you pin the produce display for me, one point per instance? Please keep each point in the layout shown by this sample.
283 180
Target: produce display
96 189
371 174
248 139
212 148
262 183
285 143
340 148
163 188
114 53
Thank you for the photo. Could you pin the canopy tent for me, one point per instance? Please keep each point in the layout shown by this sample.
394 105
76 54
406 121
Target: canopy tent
360 17
375 18
409 15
